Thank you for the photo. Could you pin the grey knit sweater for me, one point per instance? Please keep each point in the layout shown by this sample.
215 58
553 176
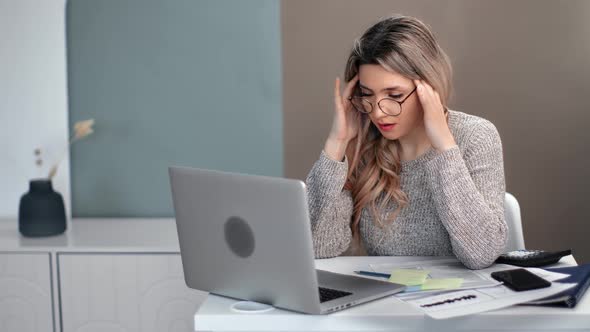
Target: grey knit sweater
456 202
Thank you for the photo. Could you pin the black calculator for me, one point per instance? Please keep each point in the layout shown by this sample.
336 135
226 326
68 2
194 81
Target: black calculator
532 258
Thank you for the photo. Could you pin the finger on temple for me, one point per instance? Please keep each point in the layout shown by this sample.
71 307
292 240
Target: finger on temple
337 88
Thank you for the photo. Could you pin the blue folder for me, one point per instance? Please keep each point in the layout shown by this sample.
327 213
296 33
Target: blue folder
580 275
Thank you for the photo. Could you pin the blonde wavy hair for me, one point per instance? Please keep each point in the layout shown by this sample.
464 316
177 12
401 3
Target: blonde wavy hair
407 46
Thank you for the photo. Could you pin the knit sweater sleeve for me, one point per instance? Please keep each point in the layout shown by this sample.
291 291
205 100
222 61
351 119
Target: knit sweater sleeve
330 207
468 191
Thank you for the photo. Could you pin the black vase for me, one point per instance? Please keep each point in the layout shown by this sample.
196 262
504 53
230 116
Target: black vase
41 211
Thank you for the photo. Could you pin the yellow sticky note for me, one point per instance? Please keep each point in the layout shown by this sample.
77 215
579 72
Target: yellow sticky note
408 277
447 283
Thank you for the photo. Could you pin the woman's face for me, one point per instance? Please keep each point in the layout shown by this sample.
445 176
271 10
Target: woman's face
375 83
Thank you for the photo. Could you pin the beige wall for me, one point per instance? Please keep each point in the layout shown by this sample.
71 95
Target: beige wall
524 65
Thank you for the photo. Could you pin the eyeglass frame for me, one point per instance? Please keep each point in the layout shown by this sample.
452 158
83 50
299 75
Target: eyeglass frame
379 103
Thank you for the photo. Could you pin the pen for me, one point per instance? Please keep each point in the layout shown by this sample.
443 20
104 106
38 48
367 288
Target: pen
373 274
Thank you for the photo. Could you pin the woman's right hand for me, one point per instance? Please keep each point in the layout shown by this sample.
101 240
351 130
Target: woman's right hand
345 122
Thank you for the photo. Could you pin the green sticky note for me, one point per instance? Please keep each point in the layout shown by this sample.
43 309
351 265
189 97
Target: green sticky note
447 283
408 277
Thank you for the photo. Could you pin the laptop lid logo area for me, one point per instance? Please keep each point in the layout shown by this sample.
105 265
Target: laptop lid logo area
239 237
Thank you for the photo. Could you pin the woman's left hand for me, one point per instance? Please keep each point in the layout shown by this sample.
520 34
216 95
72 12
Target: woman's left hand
435 120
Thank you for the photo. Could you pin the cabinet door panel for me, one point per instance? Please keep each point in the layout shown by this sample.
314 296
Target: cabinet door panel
25 292
125 292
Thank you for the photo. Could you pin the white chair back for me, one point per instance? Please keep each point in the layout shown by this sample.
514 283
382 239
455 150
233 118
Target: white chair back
513 220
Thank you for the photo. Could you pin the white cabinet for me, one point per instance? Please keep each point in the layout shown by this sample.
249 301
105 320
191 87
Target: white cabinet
25 292
100 275
125 292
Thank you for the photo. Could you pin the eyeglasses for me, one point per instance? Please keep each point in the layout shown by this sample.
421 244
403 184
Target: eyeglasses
387 105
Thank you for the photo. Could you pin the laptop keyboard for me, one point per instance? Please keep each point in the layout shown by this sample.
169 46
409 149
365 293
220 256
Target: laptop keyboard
327 294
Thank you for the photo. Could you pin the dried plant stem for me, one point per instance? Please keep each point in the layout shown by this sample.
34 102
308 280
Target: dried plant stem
81 130
53 169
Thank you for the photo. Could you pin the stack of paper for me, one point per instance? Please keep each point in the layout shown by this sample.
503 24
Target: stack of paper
430 287
466 302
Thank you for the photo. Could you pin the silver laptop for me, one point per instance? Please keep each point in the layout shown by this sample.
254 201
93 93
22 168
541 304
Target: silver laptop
249 237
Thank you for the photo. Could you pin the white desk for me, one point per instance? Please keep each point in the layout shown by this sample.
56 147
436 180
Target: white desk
390 314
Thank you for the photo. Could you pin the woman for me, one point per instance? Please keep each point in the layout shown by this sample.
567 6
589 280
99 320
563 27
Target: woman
400 173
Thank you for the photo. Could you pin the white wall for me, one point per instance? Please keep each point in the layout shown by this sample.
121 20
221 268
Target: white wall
33 95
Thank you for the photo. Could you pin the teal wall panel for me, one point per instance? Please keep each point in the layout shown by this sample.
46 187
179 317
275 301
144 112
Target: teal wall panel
176 82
